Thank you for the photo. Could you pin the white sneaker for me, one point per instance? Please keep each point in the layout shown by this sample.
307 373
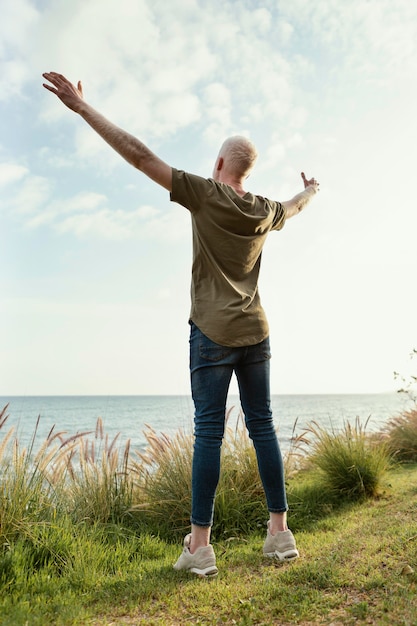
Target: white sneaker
202 562
280 546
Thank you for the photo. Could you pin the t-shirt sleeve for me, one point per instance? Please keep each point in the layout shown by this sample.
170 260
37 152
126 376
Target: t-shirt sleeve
279 217
189 189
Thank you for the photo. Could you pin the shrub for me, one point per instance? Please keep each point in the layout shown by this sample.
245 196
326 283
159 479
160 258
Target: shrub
401 435
94 477
349 462
163 480
240 501
26 494
164 483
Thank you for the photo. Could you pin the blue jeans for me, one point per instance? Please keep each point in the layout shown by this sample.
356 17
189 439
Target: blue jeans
211 368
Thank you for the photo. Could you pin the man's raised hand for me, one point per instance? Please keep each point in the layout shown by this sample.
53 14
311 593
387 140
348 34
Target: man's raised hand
70 95
310 183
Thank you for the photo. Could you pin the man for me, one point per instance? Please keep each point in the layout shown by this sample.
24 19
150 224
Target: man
229 329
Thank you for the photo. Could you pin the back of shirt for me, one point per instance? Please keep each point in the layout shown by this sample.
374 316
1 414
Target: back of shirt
229 232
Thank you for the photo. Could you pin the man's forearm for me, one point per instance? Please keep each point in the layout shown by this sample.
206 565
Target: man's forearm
295 205
128 146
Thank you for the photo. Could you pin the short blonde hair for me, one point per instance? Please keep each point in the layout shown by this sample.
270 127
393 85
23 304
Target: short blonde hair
239 154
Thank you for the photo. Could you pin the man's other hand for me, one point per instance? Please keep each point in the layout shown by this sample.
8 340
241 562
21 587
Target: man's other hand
310 183
70 95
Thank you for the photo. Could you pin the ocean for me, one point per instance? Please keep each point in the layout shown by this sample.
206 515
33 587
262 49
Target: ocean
128 416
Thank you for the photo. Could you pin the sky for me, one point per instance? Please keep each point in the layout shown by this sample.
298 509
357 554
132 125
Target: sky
95 260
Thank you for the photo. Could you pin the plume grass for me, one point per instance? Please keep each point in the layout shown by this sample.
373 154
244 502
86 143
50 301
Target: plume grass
401 436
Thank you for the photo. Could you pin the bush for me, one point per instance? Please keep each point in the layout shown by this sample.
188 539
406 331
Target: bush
92 481
350 463
94 477
240 501
164 483
26 494
401 436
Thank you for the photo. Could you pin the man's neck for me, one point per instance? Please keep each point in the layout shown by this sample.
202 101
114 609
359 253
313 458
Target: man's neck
235 183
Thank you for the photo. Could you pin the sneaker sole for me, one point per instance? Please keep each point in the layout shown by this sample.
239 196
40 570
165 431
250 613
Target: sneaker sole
208 572
290 555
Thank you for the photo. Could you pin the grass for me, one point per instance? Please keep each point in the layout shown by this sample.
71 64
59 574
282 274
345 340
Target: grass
350 463
401 435
89 533
357 566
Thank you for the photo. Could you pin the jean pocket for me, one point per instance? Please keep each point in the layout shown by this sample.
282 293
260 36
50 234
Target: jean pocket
259 352
214 353
211 351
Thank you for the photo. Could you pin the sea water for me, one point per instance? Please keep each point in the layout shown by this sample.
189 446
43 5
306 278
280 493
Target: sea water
127 417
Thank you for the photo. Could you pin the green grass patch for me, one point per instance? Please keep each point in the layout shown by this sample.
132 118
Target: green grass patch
356 566
89 533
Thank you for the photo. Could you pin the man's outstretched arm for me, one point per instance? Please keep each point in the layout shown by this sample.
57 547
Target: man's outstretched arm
297 204
128 146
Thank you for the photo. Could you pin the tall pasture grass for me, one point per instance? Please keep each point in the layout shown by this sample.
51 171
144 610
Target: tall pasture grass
88 479
27 495
163 481
240 501
163 484
401 436
82 523
95 476
350 463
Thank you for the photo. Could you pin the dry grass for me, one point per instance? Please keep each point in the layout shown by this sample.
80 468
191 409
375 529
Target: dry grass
401 435
350 462
163 480
93 479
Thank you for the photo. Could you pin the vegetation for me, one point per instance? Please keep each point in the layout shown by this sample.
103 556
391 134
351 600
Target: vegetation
401 436
401 431
409 383
349 464
89 531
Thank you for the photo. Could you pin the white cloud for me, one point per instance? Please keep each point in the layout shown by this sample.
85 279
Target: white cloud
285 31
155 92
14 74
258 21
86 201
150 63
103 224
30 196
56 157
86 214
11 172
373 40
145 223
19 19
146 212
218 111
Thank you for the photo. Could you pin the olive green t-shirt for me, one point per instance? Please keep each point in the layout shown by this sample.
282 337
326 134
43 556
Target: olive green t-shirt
229 232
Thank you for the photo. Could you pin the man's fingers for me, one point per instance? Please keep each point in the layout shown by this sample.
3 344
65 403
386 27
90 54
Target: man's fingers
54 76
61 85
52 79
311 182
49 88
50 76
55 79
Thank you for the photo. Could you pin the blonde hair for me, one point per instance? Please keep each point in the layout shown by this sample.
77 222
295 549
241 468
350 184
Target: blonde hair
239 154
